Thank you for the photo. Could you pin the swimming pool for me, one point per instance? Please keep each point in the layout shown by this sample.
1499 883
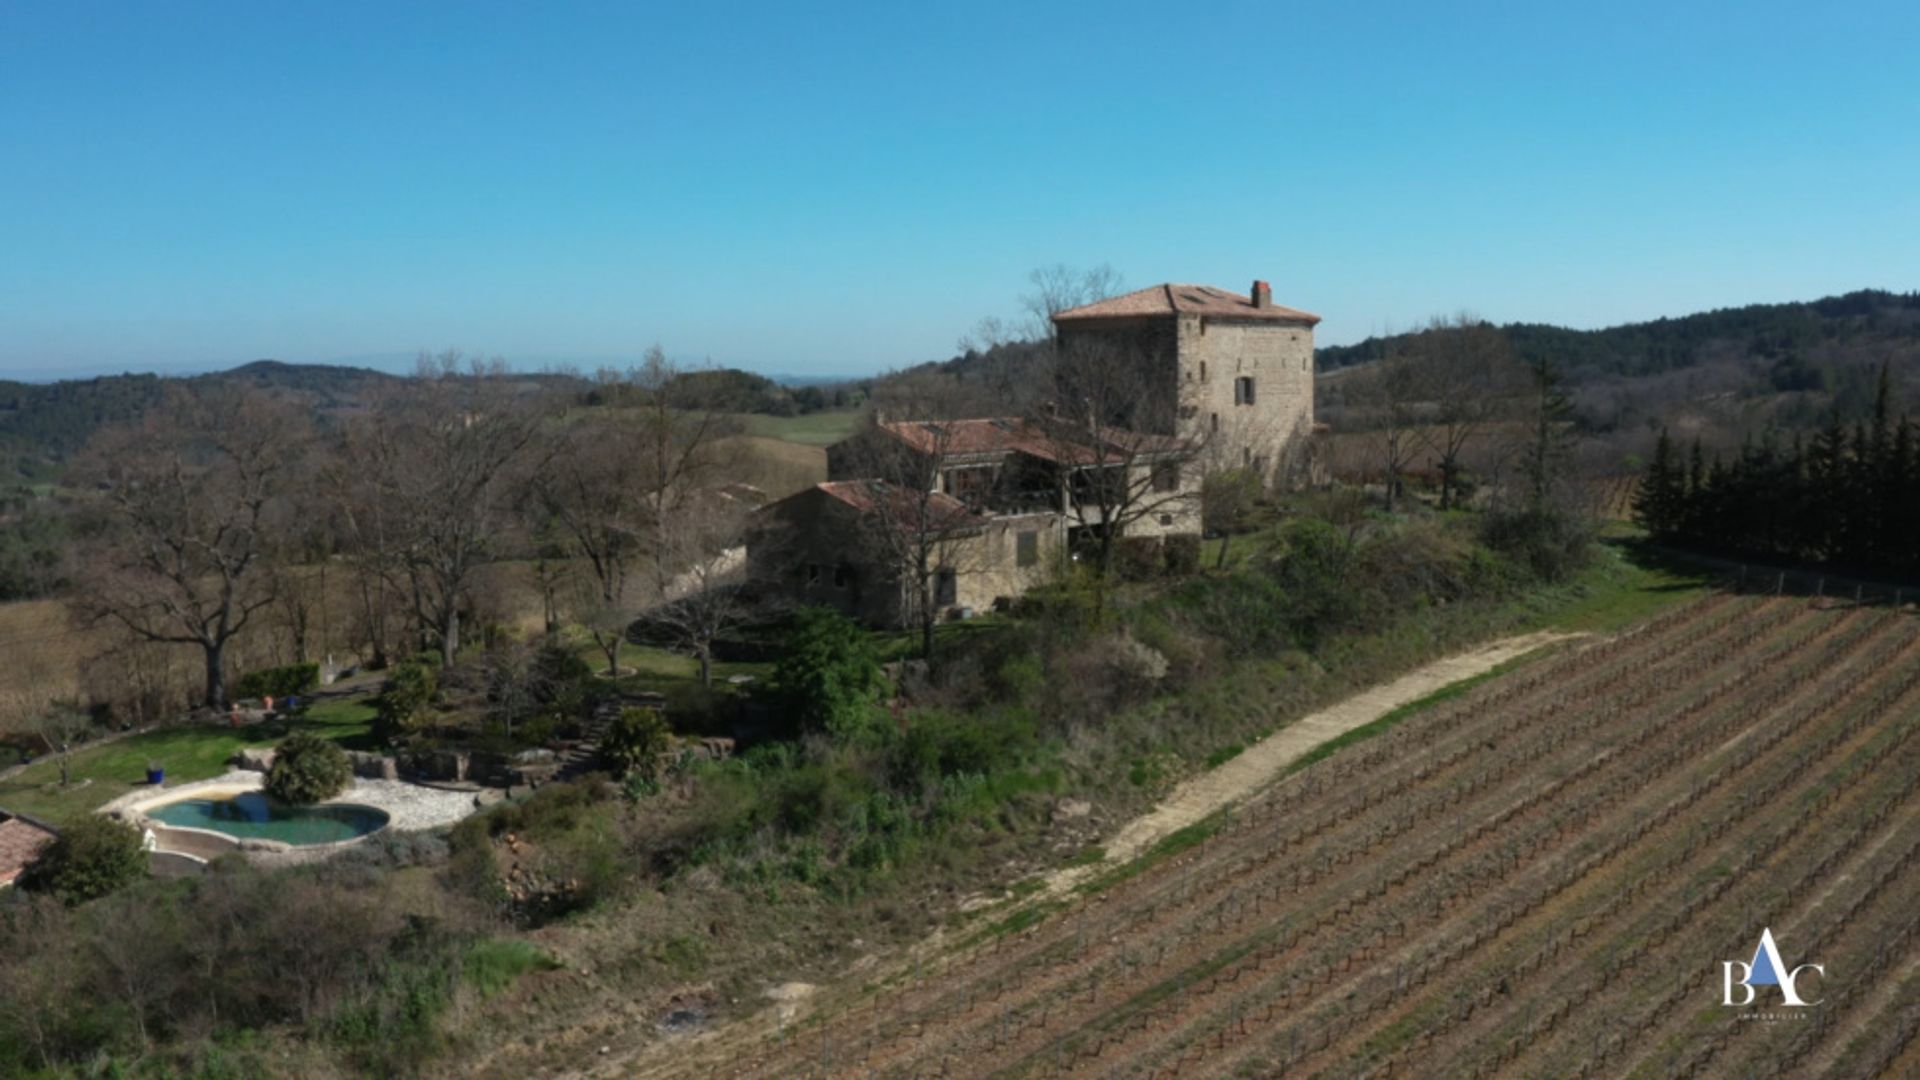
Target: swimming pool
253 816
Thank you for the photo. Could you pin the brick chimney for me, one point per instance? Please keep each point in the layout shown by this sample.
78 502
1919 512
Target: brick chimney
1262 295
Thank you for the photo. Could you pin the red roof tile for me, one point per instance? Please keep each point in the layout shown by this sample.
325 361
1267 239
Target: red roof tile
20 842
1067 445
944 512
1184 300
956 438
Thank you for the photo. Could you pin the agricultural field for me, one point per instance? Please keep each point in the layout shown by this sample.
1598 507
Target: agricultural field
1540 876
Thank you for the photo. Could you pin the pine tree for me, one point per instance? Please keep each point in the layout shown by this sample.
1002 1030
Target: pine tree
1658 503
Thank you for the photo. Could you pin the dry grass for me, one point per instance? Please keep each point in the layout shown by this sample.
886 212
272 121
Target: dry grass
775 466
43 655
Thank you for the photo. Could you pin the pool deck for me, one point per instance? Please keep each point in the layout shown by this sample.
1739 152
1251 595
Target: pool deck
409 807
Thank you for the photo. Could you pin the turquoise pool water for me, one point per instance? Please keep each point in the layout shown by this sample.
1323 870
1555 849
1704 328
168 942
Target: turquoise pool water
252 816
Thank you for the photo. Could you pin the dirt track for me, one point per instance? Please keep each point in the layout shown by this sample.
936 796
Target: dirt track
1261 763
1239 779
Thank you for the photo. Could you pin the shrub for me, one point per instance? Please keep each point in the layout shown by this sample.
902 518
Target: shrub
829 677
1137 558
1551 542
90 858
635 742
939 743
405 702
278 682
1182 554
307 768
492 965
1315 575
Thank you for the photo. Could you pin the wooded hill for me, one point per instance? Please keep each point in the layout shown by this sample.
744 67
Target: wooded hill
1835 344
44 424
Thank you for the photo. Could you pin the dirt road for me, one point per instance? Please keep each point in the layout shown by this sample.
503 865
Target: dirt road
1250 772
1260 764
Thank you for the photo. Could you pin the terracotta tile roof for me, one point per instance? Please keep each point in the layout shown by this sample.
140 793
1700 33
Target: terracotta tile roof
996 435
1068 445
1185 300
944 512
20 841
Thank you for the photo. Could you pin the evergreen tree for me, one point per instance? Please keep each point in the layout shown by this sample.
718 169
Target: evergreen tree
1662 493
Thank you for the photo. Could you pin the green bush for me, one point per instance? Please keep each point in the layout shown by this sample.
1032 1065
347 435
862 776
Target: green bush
1551 542
1137 558
635 743
90 858
407 700
1315 575
939 743
1182 555
829 677
278 682
492 965
307 768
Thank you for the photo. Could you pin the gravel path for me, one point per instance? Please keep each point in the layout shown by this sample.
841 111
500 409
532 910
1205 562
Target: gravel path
1250 771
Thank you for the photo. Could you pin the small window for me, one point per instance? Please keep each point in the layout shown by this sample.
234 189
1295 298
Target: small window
1216 423
1246 455
946 588
842 576
1166 519
1166 476
1026 548
1203 371
1243 390
810 574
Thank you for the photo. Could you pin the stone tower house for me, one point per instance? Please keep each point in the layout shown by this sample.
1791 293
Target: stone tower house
1231 371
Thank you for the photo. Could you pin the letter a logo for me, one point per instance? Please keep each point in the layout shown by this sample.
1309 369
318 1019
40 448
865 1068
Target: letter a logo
1766 970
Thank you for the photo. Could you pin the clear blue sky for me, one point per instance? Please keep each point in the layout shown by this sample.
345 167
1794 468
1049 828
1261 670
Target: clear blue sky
809 188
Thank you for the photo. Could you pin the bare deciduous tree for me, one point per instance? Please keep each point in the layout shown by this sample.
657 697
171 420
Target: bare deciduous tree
1117 475
615 487
439 457
1059 287
61 726
189 493
701 576
1470 372
920 532
1391 395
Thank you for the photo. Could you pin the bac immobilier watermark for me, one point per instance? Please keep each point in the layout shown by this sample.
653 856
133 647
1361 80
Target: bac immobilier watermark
1742 984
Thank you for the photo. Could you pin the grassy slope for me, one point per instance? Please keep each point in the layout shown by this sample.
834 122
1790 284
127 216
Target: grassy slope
1620 589
813 429
106 772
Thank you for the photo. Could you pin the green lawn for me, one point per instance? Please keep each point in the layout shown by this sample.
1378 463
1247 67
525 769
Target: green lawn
813 429
106 772
1628 584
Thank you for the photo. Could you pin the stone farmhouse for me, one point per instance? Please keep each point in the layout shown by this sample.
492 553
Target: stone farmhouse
989 508
1230 372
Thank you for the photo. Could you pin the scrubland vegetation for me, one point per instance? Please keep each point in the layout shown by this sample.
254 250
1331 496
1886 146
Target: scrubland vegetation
513 572
1541 874
862 821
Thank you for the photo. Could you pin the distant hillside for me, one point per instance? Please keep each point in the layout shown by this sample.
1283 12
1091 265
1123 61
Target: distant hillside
1797 339
42 425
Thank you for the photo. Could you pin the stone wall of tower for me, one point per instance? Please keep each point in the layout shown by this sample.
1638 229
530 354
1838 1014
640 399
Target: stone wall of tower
1269 432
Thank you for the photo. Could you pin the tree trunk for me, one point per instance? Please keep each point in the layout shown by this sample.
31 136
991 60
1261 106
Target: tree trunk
449 635
216 680
1220 562
611 646
705 652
